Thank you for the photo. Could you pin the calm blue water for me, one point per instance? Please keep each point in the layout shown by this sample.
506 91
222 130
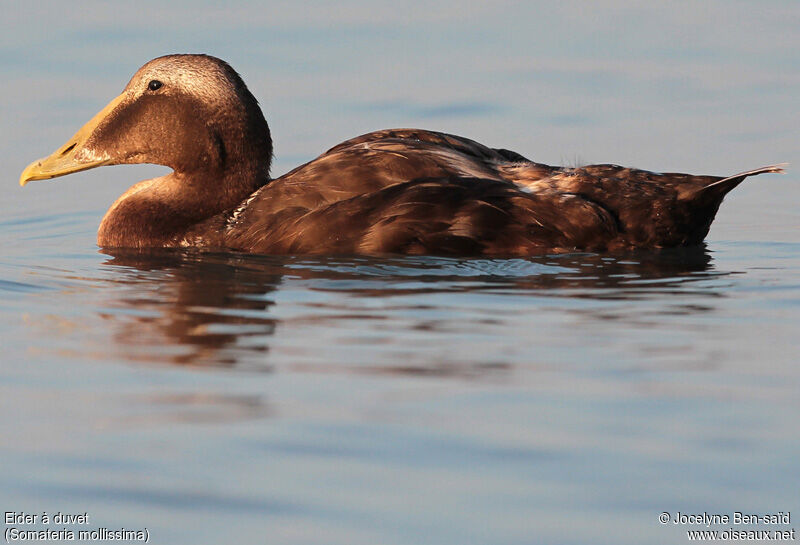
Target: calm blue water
566 399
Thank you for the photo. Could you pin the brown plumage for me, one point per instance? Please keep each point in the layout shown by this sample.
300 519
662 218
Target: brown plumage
393 191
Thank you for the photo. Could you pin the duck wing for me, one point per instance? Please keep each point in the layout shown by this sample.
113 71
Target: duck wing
377 160
456 216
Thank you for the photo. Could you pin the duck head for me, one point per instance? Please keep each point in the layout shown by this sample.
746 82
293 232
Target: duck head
188 112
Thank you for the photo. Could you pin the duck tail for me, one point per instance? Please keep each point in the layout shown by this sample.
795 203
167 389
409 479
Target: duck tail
703 195
726 184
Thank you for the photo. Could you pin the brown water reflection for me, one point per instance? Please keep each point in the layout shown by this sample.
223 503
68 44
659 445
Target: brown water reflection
190 308
191 305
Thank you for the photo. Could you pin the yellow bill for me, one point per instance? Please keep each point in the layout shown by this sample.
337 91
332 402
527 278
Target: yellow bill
68 158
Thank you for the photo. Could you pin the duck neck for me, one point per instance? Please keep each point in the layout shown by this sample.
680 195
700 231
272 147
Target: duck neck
159 212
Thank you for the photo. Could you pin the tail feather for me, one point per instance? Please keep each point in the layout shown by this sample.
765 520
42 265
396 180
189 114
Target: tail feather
778 168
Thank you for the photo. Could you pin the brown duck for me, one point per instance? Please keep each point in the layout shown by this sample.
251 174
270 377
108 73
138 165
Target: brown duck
403 191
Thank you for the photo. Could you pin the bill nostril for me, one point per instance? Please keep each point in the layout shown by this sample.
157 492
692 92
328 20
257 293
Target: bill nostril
69 149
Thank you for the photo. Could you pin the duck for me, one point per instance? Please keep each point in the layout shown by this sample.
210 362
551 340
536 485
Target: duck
394 191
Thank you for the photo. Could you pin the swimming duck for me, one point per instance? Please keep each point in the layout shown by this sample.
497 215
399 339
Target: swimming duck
403 191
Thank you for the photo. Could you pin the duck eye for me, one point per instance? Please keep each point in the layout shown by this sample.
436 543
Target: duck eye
154 85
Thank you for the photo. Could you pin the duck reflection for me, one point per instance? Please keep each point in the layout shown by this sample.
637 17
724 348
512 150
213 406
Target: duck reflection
192 308
630 275
188 307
